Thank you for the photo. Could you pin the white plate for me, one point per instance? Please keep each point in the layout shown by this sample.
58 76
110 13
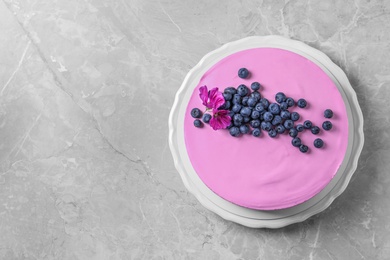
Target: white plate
260 218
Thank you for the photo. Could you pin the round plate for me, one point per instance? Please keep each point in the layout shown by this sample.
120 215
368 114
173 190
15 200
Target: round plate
261 218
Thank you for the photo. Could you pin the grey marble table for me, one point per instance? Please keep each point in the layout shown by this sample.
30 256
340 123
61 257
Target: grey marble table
85 92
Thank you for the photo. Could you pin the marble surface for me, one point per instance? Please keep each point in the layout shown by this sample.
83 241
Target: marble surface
85 92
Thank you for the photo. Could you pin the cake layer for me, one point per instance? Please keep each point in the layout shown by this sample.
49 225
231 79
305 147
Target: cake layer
265 173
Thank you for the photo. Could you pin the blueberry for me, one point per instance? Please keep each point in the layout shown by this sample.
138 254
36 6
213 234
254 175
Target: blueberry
261 118
252 101
290 102
318 143
255 123
307 124
256 132
242 90
328 113
230 90
196 113
255 94
303 148
234 131
301 103
295 116
206 118
266 126
315 130
226 105
268 116
231 113
243 73
246 111
272 133
327 125
283 106
280 97
288 124
280 129
260 107
238 118
265 102
244 129
255 114
230 125
274 108
247 119
245 101
198 123
255 86
236 108
285 114
237 123
237 99
300 128
277 120
296 141
227 96
293 132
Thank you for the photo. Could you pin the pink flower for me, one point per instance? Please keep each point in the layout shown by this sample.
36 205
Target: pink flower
211 99
220 120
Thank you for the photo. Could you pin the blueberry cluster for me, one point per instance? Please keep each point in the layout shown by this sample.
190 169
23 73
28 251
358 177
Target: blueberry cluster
252 114
196 113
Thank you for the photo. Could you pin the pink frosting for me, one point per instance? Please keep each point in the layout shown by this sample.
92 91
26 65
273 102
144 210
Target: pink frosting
266 173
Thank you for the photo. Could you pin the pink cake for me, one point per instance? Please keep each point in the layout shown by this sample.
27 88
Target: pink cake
261 172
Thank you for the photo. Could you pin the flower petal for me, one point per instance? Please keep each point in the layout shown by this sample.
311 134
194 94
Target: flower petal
220 119
216 98
204 95
225 118
215 124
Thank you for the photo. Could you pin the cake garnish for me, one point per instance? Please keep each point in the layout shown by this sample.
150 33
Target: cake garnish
290 102
288 124
296 141
280 97
220 119
244 129
255 86
300 127
280 129
215 102
315 130
242 90
243 73
295 116
198 123
328 113
303 148
256 132
243 110
327 125
272 133
301 103
196 113
211 98
234 131
206 118
318 143
307 124
293 132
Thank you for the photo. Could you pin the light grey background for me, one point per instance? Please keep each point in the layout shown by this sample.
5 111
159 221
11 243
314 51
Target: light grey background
85 92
